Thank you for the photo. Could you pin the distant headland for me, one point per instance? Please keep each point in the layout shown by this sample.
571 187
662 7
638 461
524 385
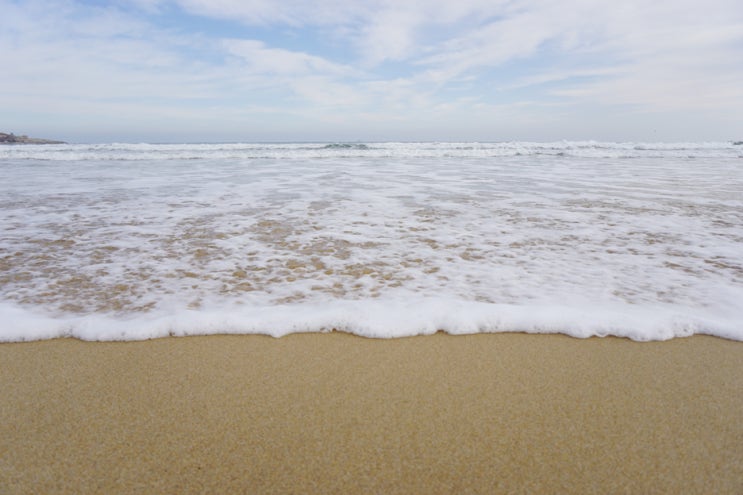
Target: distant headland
13 139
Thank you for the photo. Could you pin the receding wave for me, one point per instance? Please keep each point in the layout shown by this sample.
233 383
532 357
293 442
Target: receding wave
392 240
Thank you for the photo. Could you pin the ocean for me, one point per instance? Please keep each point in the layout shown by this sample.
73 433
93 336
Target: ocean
137 241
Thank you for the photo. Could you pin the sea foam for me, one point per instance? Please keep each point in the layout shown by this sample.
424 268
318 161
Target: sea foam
122 242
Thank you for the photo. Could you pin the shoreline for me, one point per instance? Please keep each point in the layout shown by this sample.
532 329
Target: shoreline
337 413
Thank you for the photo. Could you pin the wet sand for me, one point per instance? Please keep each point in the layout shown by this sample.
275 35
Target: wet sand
335 413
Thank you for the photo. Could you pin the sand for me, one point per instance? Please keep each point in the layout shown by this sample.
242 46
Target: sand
335 413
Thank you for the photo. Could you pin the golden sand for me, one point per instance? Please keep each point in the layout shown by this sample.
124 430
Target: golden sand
335 413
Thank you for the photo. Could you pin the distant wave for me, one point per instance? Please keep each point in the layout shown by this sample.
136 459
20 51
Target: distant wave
346 146
253 151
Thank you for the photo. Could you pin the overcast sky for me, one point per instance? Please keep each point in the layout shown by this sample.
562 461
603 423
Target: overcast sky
339 70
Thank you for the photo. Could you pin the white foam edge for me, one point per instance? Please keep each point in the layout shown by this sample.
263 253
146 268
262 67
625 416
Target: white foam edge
376 319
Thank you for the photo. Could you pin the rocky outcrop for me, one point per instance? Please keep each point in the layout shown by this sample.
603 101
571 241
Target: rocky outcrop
13 139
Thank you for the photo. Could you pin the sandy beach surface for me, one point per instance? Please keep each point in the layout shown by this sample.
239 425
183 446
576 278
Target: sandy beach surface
336 413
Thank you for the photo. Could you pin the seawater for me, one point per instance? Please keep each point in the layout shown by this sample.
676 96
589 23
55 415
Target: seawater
136 241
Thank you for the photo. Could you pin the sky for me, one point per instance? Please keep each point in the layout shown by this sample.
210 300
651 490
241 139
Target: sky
373 70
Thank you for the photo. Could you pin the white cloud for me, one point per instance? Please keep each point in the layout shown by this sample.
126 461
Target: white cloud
264 60
390 35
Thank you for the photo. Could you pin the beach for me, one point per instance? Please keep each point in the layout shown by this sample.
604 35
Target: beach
338 413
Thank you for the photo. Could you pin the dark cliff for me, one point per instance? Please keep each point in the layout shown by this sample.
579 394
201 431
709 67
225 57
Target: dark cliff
13 139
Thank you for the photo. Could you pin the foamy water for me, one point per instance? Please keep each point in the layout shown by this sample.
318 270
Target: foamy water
123 241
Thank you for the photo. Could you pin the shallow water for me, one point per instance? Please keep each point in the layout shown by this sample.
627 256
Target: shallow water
381 239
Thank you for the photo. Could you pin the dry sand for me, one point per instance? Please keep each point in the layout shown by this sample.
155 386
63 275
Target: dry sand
334 413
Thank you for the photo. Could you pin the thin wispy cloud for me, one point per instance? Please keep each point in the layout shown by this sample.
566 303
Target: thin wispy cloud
471 69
